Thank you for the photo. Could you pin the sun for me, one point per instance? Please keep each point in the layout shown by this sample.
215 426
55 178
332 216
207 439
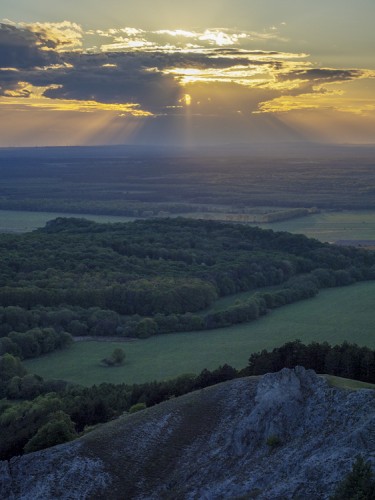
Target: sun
187 99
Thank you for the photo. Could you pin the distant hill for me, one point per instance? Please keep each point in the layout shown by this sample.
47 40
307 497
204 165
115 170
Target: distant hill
284 435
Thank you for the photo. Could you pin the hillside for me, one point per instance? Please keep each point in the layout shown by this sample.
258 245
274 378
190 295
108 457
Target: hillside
284 435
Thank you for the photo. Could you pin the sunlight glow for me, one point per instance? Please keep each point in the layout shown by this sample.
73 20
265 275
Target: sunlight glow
318 101
36 100
187 99
241 75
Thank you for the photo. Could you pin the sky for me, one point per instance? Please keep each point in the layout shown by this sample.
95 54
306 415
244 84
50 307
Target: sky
208 72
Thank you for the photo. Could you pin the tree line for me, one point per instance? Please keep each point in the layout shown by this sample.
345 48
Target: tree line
34 342
346 360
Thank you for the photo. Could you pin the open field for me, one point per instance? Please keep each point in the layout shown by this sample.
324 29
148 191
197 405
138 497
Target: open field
325 226
14 221
336 315
331 226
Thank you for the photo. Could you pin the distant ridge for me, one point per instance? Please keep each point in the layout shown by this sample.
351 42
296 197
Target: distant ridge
264 149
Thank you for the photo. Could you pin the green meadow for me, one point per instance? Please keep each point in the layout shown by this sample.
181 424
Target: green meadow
335 315
14 221
324 226
331 226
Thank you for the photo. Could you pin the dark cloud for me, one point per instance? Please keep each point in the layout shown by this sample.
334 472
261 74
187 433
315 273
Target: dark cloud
321 75
136 76
117 77
20 48
163 60
130 76
9 84
151 90
243 52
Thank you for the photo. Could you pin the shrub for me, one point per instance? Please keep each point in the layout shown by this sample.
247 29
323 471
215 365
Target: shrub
273 441
117 358
137 407
358 484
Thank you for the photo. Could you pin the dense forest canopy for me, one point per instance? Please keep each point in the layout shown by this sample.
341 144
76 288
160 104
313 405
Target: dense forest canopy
140 183
76 277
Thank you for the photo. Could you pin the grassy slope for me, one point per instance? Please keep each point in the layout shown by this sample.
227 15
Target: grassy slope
347 383
335 315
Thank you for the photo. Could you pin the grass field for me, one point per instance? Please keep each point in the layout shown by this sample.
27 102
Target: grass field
335 315
12 221
325 226
331 226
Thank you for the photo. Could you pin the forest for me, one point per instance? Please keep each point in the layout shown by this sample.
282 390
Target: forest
141 183
77 278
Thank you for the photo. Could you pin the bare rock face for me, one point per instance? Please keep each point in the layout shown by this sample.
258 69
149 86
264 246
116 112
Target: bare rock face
281 436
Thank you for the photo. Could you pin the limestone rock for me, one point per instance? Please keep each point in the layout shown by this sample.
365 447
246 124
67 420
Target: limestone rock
281 436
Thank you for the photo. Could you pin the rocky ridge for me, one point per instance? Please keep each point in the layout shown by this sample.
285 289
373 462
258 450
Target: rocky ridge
281 436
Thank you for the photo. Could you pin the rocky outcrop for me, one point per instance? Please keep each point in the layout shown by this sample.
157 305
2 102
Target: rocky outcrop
284 435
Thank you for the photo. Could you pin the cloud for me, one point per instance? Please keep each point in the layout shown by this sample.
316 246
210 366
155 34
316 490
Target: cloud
20 48
323 75
61 37
39 101
319 88
335 101
151 71
167 39
126 82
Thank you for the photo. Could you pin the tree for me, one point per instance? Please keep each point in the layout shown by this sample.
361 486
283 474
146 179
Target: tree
8 346
146 328
21 421
10 367
59 429
117 358
359 484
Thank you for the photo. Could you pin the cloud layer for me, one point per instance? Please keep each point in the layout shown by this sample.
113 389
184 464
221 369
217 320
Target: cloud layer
144 73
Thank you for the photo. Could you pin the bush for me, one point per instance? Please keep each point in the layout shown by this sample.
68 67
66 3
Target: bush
59 430
359 484
137 407
273 441
117 358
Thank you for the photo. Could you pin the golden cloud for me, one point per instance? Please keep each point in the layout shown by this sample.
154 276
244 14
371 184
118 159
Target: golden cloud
335 100
27 96
167 39
60 37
